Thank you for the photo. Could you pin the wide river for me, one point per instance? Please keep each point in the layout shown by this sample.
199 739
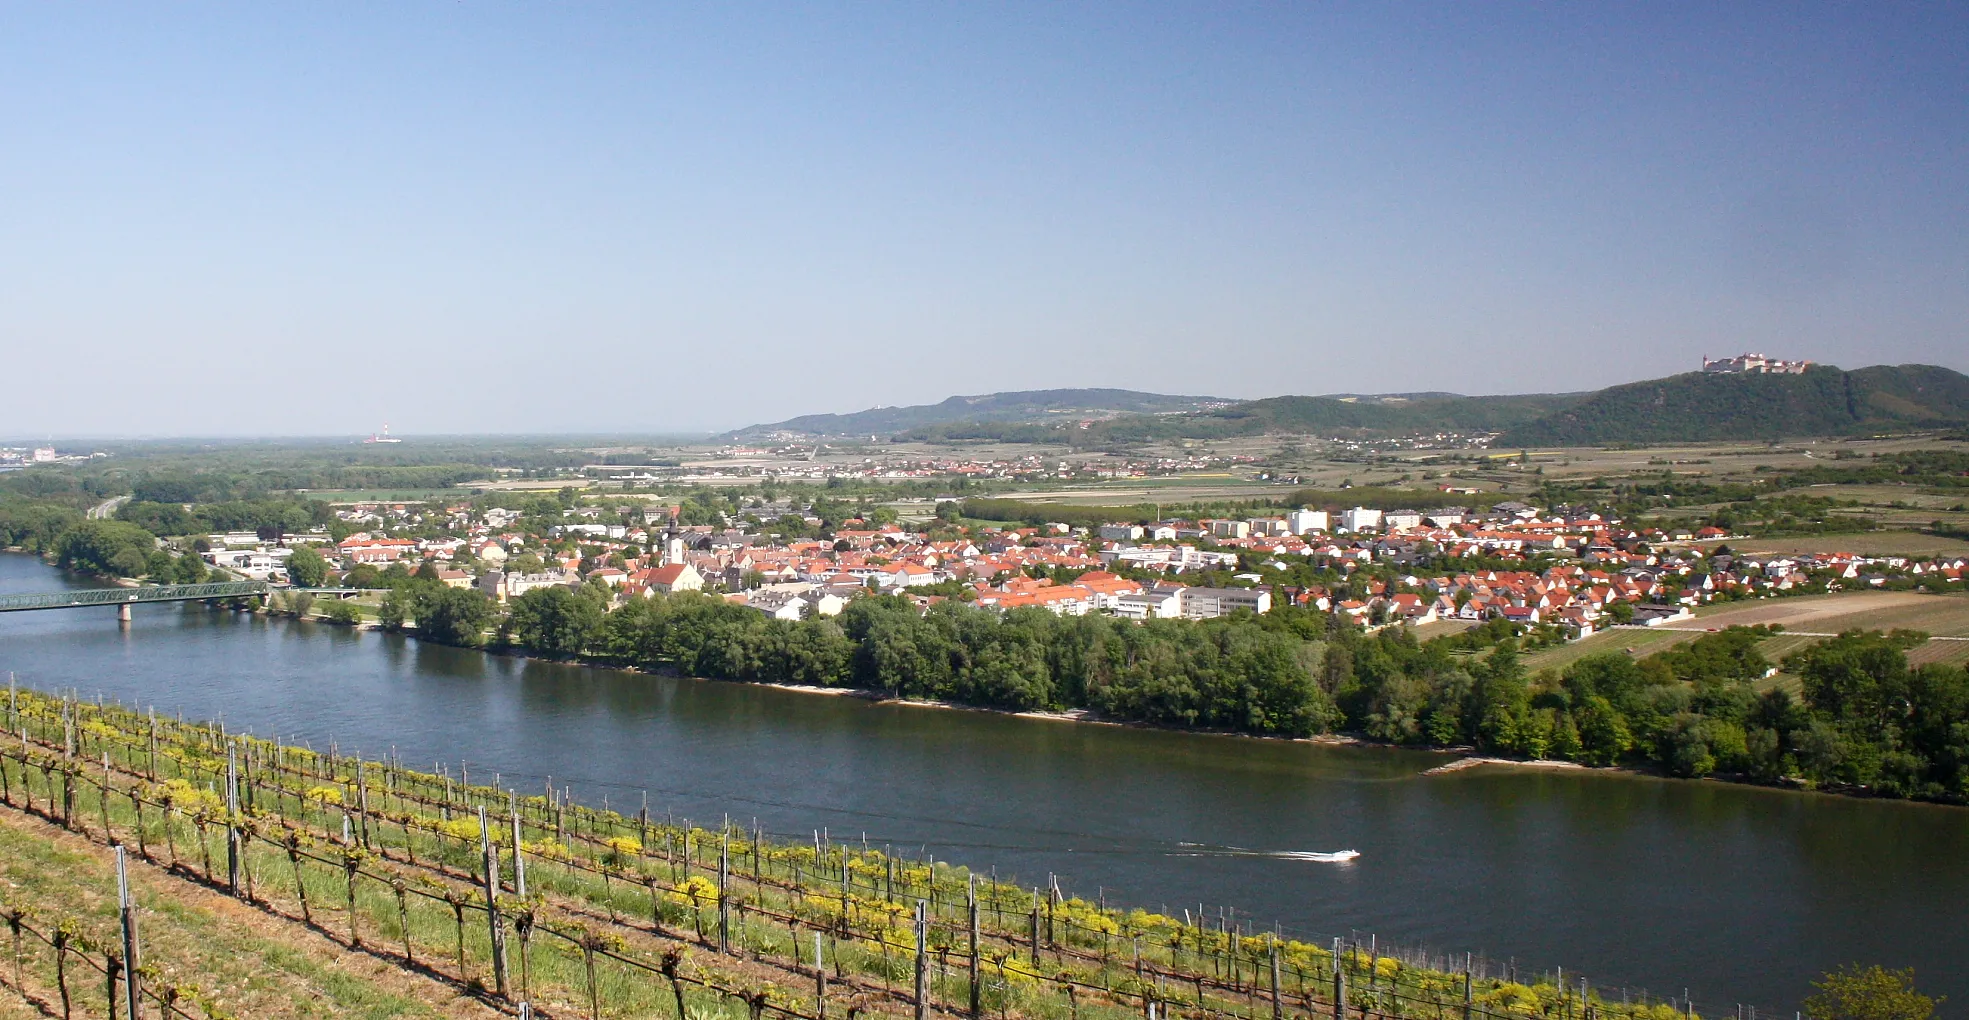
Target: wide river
1738 894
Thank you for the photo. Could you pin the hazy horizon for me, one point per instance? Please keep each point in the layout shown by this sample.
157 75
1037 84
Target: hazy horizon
237 220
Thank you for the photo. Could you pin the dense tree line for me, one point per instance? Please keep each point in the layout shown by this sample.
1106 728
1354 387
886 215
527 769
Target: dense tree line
1864 718
1236 674
167 486
266 516
34 526
121 549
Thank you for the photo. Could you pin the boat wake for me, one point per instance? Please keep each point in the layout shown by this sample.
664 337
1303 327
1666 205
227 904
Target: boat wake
1324 857
1316 856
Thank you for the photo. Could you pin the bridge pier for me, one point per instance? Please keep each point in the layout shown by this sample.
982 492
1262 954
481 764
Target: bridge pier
123 613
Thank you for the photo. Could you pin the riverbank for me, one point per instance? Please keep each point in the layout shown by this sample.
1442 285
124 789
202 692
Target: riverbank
1090 717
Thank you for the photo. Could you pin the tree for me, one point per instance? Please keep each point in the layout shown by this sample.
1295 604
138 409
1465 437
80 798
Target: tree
114 548
1566 742
187 569
392 613
452 616
555 621
1868 993
306 568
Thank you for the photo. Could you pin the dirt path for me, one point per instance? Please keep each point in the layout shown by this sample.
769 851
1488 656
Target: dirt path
253 963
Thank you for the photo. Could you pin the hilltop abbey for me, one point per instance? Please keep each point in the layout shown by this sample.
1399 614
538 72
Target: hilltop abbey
1755 363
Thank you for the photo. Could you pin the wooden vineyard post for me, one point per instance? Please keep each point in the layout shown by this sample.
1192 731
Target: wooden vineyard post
1278 1011
1034 946
724 903
498 930
1467 994
977 998
1052 900
232 819
126 908
102 803
820 981
362 803
519 859
1339 984
137 808
922 960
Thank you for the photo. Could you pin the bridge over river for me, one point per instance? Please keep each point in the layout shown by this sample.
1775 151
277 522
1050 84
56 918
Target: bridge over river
124 598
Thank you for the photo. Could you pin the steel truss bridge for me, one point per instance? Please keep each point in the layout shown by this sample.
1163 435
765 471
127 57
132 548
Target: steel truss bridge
123 597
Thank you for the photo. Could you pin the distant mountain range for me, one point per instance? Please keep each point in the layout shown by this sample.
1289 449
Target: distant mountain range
1020 406
1692 407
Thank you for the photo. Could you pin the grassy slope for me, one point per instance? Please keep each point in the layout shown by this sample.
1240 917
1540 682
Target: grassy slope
256 965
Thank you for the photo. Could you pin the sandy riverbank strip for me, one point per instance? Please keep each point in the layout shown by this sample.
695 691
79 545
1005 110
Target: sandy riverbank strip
1473 761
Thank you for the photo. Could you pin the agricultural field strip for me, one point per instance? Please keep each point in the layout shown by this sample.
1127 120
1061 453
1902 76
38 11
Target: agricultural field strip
1792 633
1864 610
1184 935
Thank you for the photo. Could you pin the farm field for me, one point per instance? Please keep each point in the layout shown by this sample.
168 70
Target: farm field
1871 543
1442 628
1939 615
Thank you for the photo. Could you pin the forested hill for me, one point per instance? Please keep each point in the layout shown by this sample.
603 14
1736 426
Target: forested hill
1445 412
1696 407
1023 405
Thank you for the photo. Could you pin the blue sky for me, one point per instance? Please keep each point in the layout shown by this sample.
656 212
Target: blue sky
459 217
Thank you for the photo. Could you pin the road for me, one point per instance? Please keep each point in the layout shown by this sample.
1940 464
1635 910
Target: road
107 508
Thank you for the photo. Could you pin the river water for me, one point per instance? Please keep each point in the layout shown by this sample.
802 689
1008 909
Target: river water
1735 893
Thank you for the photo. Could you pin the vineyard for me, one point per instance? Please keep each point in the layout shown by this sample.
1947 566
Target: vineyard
539 906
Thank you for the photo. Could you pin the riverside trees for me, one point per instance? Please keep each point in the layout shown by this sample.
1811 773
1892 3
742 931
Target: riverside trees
1866 719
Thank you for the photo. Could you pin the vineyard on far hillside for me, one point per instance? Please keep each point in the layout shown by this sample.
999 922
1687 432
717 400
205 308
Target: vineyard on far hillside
540 906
